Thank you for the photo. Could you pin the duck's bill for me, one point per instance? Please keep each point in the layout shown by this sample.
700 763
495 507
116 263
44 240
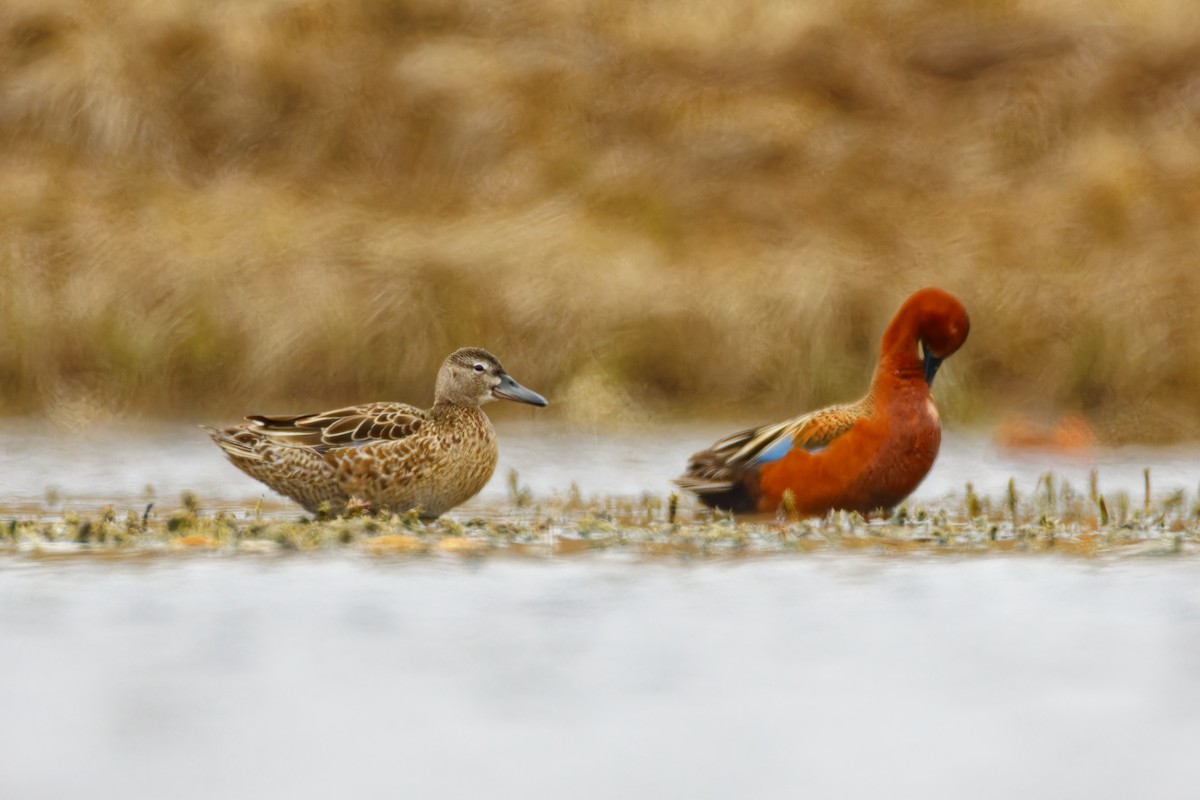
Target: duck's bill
932 363
511 390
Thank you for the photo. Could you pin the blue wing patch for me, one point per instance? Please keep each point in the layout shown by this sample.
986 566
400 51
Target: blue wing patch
776 451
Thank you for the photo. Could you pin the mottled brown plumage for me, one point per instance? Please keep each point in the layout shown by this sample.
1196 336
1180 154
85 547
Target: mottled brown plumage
389 456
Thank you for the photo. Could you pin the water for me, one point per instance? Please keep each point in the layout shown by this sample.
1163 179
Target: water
119 465
834 674
829 676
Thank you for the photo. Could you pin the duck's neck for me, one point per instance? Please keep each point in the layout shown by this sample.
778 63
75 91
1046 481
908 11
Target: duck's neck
444 408
900 367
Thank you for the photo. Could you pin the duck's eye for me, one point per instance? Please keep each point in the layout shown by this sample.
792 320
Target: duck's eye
479 367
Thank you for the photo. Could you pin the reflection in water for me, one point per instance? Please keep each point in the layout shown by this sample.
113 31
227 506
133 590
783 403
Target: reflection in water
118 466
831 676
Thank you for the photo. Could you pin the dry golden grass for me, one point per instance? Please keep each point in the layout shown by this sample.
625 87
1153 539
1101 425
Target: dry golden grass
643 208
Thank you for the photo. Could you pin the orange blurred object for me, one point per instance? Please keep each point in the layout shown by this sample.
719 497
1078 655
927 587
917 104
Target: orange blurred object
1070 434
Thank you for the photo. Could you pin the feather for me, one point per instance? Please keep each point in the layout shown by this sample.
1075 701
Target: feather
721 467
344 427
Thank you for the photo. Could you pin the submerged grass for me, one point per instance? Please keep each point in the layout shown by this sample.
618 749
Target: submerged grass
222 207
1055 519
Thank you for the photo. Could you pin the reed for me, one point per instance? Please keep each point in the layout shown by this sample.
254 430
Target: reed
644 209
555 525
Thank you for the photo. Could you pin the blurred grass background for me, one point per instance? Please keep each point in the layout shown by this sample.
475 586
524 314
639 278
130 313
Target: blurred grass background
214 207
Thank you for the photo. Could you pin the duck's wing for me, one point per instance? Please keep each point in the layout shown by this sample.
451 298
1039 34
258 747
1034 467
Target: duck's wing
343 427
720 467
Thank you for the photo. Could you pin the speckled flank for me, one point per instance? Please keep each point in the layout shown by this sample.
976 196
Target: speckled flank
446 463
387 456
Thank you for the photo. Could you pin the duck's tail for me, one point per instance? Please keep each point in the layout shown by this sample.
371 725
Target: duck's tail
238 443
719 484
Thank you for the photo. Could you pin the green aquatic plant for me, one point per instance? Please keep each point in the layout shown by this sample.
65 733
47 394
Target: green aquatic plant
519 496
1146 500
974 510
1046 521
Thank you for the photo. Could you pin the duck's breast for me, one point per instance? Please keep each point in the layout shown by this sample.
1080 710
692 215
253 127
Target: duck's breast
911 435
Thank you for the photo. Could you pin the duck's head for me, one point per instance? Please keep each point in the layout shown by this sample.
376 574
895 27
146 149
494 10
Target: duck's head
935 321
473 376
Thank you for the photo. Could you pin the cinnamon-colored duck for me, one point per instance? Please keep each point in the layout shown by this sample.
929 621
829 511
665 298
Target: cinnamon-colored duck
860 456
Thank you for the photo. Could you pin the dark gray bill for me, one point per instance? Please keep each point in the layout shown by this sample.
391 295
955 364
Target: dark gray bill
932 363
511 390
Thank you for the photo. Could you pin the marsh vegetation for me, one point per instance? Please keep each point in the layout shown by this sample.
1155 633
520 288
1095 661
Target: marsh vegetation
1057 518
648 209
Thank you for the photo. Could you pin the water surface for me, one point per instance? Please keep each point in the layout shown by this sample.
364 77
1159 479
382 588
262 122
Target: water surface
316 676
833 674
132 465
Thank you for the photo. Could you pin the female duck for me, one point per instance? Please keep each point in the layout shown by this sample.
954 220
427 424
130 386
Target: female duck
856 457
389 456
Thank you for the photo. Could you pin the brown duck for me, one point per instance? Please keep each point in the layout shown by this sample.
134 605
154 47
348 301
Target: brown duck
387 456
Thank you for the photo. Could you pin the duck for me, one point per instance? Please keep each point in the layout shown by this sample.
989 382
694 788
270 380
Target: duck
384 456
862 456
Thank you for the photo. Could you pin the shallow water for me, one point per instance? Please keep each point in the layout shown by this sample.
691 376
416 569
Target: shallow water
832 676
120 465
